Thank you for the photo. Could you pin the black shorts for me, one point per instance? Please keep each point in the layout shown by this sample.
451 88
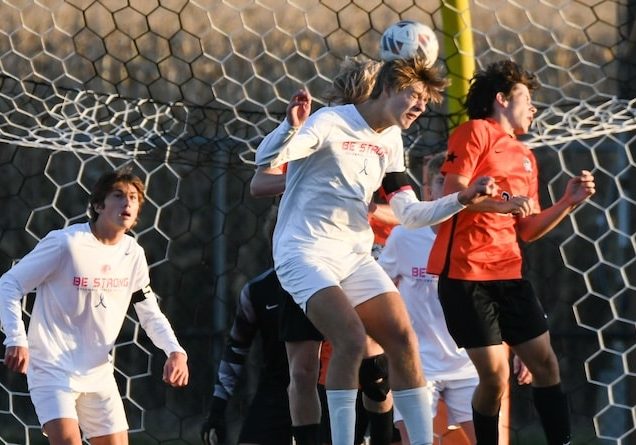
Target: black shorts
268 421
485 313
294 325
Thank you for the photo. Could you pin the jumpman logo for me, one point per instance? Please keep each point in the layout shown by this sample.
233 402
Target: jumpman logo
101 301
364 168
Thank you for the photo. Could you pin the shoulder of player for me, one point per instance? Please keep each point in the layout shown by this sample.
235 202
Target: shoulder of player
70 233
479 132
401 234
474 126
133 245
330 114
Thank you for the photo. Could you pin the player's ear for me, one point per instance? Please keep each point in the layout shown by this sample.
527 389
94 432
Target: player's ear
501 99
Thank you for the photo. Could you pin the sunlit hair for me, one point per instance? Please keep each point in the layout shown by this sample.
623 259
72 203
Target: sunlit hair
498 77
354 81
106 184
399 74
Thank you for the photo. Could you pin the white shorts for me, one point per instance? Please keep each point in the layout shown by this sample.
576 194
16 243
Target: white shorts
97 413
358 274
457 394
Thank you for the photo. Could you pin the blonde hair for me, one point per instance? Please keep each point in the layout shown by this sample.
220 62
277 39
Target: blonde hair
354 82
399 74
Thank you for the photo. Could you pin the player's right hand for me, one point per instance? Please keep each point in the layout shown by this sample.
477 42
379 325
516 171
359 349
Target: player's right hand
212 433
16 358
299 108
483 188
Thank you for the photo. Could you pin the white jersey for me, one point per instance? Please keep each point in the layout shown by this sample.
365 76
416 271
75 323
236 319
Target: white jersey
335 164
404 258
84 288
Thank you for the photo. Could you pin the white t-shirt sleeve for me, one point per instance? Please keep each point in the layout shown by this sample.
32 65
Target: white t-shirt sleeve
413 213
152 320
21 279
287 143
155 323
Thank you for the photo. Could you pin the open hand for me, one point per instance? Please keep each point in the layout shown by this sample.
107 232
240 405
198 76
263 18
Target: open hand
299 108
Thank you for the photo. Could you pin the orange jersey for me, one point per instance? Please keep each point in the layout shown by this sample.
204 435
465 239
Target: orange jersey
483 246
381 229
325 356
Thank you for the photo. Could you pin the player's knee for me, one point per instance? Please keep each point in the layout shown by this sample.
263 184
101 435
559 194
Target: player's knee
545 372
350 345
403 339
304 374
495 382
373 376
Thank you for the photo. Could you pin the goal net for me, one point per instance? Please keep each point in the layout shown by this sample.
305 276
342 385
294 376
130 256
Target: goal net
185 90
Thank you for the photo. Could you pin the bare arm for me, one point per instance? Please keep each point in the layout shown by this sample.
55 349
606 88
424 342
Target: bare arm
518 205
578 190
267 182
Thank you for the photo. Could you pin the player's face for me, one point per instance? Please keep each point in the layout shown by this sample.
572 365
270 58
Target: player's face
520 111
433 190
437 186
121 207
409 104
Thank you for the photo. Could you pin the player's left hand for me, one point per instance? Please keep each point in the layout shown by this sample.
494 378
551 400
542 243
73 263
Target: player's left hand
212 435
213 428
524 376
175 370
580 187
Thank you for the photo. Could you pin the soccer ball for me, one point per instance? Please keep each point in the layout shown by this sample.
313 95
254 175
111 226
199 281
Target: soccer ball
407 39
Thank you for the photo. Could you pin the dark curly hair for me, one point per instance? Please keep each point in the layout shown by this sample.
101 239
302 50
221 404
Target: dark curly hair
498 77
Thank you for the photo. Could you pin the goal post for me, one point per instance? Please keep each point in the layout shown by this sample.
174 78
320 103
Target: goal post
459 56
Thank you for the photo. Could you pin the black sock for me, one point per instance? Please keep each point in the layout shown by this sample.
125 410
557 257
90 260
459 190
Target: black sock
486 428
552 406
307 434
380 427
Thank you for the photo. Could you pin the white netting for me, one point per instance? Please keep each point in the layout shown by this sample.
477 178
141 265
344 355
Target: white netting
556 126
85 122
185 90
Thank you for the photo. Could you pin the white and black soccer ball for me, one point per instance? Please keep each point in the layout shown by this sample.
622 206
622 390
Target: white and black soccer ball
407 39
